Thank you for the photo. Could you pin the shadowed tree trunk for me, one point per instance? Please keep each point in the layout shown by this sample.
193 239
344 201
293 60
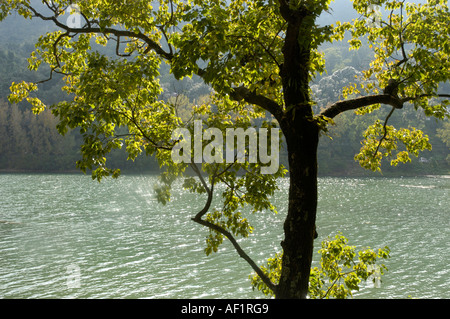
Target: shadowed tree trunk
302 137
299 226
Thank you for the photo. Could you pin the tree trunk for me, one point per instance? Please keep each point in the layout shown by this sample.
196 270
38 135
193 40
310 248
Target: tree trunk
302 138
299 226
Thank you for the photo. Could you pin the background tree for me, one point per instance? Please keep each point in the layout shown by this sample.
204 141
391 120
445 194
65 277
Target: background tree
259 57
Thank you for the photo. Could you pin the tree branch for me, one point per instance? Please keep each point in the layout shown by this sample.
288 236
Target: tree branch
242 93
240 251
118 49
400 37
119 33
385 132
209 191
356 103
198 219
269 53
408 99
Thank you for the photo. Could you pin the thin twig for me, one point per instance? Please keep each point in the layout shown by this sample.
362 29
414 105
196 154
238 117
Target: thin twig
385 131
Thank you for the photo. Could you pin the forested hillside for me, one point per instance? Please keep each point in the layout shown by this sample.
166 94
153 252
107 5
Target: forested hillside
30 142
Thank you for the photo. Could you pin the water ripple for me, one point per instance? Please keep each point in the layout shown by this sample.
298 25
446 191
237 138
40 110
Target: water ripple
69 237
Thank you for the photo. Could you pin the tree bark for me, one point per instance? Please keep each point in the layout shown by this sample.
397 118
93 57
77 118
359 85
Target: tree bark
302 138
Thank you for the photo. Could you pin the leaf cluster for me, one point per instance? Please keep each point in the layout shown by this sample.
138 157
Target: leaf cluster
411 44
342 269
382 141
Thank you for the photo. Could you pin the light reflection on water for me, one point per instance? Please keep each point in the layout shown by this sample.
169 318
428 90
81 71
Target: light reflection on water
75 238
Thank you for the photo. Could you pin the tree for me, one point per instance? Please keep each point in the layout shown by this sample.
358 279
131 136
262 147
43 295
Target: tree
259 57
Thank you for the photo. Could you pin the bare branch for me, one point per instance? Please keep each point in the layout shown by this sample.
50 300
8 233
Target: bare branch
161 28
356 103
359 102
385 132
198 219
240 251
118 49
208 190
152 45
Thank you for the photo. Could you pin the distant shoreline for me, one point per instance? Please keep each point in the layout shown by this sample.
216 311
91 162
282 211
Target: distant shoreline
152 172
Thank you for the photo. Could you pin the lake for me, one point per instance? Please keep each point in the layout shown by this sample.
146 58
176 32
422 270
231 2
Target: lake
66 236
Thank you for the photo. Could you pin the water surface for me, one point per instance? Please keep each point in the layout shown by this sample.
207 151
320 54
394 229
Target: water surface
67 236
